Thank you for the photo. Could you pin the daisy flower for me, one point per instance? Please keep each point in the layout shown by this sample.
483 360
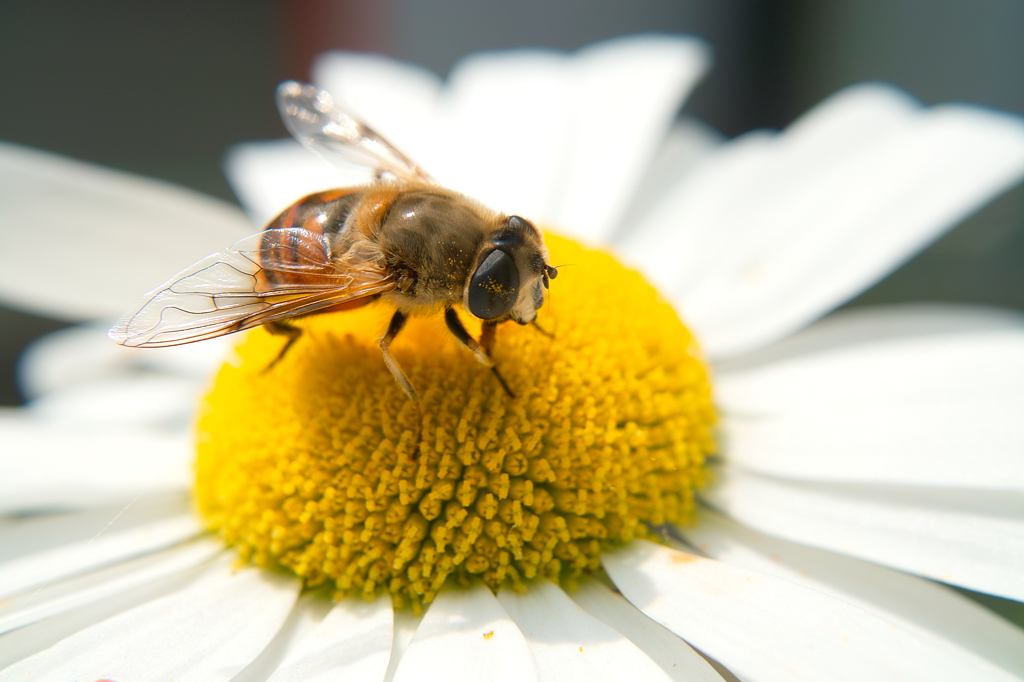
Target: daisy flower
860 463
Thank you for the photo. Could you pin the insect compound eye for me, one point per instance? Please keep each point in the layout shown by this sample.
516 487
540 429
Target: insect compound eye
494 287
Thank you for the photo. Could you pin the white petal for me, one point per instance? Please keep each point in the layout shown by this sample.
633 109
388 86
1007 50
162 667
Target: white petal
139 401
765 628
352 642
833 204
48 464
968 442
679 661
930 411
208 631
689 143
501 137
309 611
406 624
964 364
569 644
466 635
84 353
970 538
686 233
82 241
67 357
105 549
855 327
695 227
397 99
29 639
37 529
625 94
912 602
72 594
307 614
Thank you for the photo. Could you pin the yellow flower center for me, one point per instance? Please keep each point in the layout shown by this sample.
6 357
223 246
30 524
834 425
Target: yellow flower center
323 466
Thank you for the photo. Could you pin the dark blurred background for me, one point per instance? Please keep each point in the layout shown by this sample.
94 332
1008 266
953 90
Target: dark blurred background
162 88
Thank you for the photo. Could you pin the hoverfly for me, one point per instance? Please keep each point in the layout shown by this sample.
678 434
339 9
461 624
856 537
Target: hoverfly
401 239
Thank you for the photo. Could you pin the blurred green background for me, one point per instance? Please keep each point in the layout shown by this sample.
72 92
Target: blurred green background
162 88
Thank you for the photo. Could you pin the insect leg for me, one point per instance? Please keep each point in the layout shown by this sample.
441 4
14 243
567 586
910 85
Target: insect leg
282 328
487 335
542 330
483 348
451 318
397 322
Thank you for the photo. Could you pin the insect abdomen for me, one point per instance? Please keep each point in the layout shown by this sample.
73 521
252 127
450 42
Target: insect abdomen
323 214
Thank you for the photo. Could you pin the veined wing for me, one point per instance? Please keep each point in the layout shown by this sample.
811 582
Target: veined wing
313 118
278 273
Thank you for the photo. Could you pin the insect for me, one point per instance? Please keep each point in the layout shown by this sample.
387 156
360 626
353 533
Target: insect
402 239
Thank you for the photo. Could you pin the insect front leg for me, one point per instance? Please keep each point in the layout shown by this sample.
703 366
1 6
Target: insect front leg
542 330
282 328
488 334
451 318
397 322
481 350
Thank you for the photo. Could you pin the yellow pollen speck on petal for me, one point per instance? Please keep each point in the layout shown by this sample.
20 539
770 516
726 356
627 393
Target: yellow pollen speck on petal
322 466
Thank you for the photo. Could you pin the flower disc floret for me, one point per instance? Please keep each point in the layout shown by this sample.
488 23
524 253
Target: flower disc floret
321 465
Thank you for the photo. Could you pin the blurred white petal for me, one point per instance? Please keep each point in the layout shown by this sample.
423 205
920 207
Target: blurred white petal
137 401
466 635
905 599
679 661
687 145
765 628
626 94
829 233
856 327
963 442
501 137
684 235
29 639
957 364
84 242
208 631
964 537
84 353
105 549
24 532
50 465
569 644
791 225
695 224
53 599
904 412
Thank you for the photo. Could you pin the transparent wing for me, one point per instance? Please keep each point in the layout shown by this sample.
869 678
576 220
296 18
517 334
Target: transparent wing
313 118
278 273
